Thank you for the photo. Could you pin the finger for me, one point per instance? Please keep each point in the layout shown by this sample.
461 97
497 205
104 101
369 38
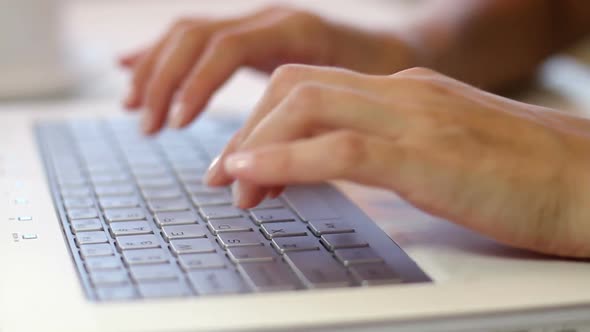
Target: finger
283 82
312 108
226 52
172 66
275 192
129 60
354 156
175 62
143 68
211 178
247 195
238 188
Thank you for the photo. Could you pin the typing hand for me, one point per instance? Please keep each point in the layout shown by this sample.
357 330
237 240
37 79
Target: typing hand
196 56
512 171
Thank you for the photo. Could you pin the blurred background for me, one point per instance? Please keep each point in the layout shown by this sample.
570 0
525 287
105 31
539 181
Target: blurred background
94 32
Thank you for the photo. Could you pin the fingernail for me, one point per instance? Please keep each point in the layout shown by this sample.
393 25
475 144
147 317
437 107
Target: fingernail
238 162
212 170
176 116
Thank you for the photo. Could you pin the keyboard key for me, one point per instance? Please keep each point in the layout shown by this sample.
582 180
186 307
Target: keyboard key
229 225
195 188
119 293
190 178
331 226
103 168
240 239
168 205
269 203
143 160
137 242
86 225
79 192
213 282
184 232
268 277
220 212
192 246
103 263
343 241
162 193
374 274
357 256
114 190
119 202
130 228
112 215
176 218
272 215
152 181
72 181
78 203
145 256
88 213
91 238
143 173
163 289
252 254
317 269
202 261
107 179
94 250
149 273
309 205
223 198
283 229
191 166
299 243
109 278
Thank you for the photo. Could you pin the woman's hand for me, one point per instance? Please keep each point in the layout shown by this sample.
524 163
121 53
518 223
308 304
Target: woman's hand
515 172
196 56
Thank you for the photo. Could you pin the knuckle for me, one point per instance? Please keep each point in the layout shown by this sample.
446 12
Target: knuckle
182 23
189 34
285 77
139 75
305 98
349 149
305 18
225 41
275 8
307 93
415 72
288 73
300 105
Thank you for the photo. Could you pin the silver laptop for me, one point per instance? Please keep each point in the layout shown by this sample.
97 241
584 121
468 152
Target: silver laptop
106 230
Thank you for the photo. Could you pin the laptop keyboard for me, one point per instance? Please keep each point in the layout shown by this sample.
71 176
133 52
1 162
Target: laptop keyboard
140 223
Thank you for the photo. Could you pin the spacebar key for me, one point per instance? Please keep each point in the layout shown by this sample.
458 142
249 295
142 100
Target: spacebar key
317 269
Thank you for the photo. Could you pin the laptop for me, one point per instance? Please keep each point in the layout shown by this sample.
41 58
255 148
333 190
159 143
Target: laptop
106 230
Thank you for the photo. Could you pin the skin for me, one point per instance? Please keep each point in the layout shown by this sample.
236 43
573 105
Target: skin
506 169
446 147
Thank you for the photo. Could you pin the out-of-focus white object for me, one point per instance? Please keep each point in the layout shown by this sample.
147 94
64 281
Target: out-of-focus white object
34 60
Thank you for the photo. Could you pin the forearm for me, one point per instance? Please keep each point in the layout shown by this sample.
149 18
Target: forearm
495 43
